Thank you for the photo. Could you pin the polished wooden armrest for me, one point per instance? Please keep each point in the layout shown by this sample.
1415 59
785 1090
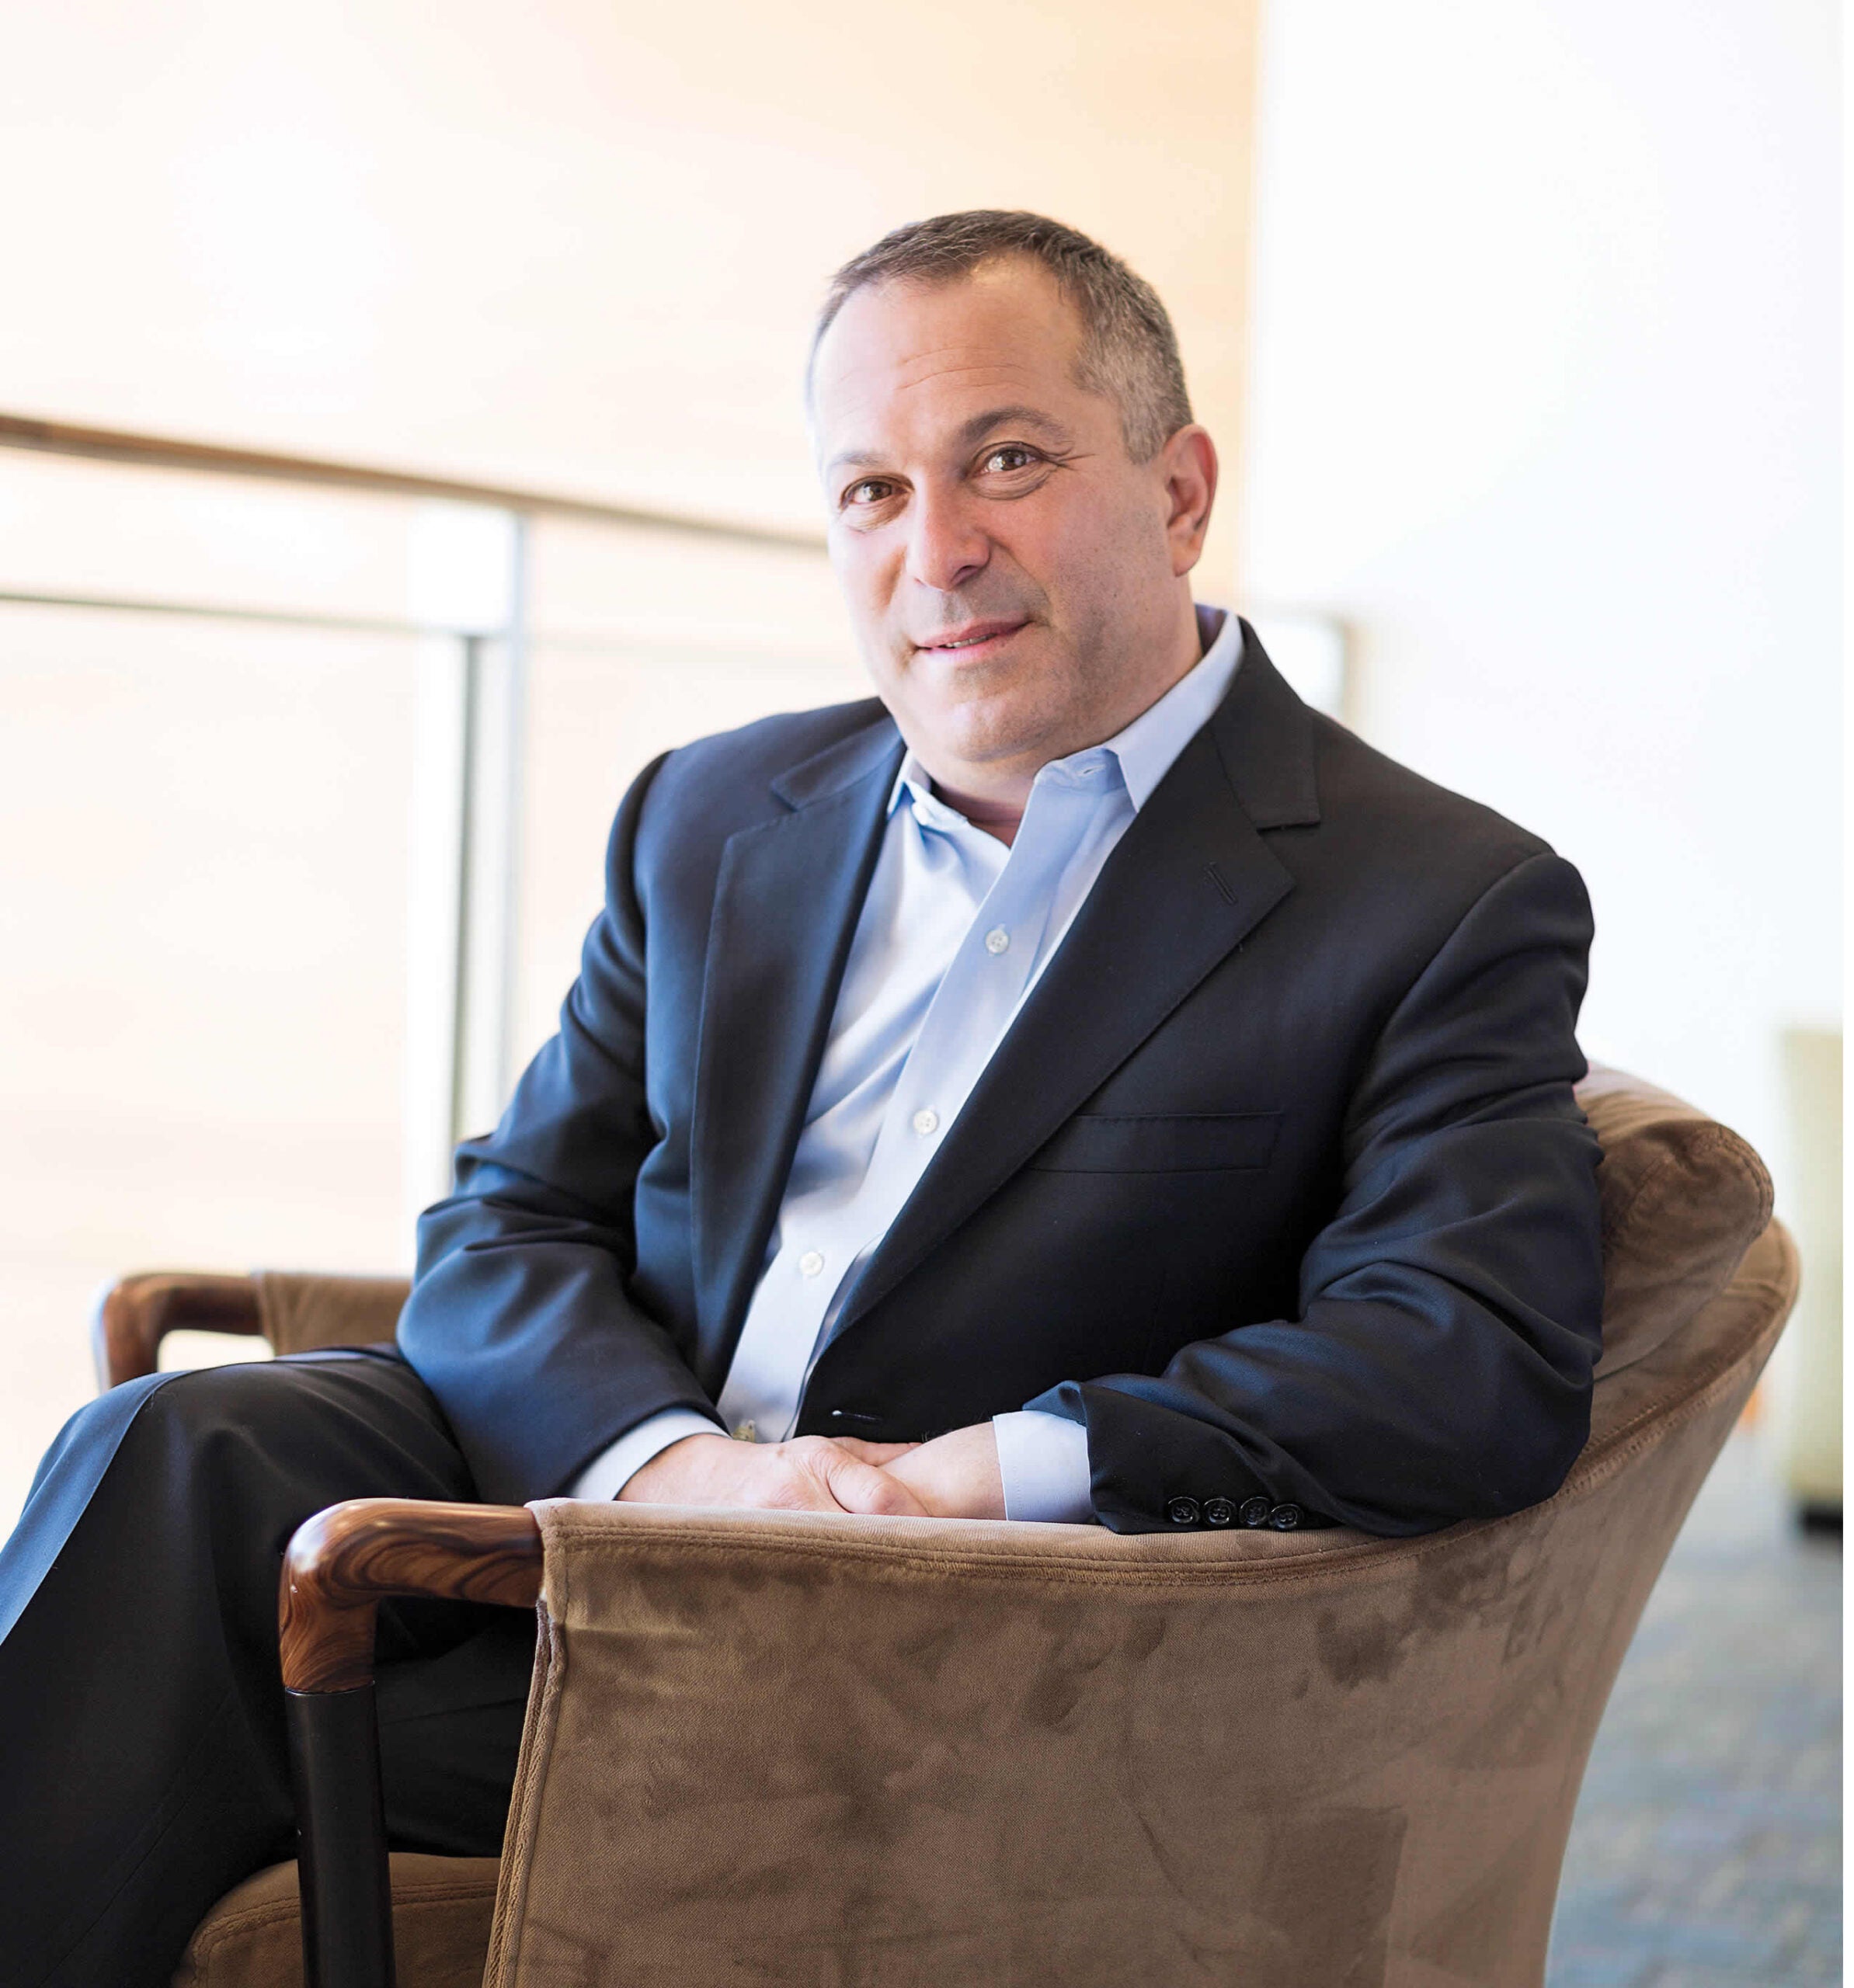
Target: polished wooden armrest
343 1563
134 1316
339 1567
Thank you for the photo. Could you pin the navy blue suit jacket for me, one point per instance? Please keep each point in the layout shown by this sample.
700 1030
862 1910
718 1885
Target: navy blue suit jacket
1277 1183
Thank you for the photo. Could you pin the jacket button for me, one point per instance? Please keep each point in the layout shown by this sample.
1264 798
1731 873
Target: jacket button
1218 1511
1255 1511
1284 1518
1182 1511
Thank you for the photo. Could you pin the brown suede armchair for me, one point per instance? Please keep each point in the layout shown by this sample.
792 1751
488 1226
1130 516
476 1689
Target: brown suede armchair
904 1753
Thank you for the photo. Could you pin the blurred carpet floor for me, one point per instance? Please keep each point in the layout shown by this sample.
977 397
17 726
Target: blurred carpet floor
1706 1849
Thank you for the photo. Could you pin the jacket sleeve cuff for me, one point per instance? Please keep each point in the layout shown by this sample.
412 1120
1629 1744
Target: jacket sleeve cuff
612 1469
1043 1460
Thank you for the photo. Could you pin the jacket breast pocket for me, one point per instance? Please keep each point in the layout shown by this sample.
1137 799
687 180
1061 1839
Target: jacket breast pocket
1208 1143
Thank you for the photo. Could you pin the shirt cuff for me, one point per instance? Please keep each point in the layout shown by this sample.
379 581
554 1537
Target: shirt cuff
1043 1460
612 1469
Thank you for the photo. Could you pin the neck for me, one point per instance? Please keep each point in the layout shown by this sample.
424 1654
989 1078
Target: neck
1001 818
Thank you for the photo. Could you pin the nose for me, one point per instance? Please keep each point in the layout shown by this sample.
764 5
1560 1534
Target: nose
947 546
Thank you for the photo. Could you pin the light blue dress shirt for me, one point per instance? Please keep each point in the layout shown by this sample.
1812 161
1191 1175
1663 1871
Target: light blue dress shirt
955 930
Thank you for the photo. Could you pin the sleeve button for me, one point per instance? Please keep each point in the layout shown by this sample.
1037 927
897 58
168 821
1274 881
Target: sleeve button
1218 1511
1255 1511
1285 1518
1183 1511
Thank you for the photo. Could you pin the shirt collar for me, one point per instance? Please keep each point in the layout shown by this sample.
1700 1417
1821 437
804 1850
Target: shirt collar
1145 749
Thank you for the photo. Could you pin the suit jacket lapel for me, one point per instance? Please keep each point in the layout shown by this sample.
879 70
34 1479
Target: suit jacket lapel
786 905
1190 879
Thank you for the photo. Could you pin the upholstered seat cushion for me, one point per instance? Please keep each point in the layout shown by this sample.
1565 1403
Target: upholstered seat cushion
1683 1198
442 1907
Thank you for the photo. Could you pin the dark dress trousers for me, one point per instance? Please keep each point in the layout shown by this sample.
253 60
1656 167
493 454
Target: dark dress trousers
1276 1183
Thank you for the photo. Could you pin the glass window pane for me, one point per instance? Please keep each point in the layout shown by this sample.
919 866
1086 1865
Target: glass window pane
203 1005
645 640
596 717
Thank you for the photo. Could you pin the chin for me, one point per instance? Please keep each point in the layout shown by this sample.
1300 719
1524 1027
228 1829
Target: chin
997 741
983 727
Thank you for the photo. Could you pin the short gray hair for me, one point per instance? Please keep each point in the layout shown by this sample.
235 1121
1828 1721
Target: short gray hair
1129 351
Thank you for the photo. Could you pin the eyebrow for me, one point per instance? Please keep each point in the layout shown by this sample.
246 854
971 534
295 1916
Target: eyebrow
971 433
981 424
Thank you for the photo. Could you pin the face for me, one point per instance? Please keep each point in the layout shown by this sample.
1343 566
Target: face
1016 580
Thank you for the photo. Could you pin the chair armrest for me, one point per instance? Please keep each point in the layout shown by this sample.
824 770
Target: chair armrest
342 1564
297 1310
137 1312
339 1567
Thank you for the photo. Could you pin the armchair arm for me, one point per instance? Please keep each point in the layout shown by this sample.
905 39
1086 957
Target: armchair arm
135 1313
296 1311
339 1567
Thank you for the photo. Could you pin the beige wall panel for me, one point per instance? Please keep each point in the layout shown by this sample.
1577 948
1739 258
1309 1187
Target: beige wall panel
575 242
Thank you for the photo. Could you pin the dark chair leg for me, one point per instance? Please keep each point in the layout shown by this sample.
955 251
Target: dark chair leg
347 1904
340 1566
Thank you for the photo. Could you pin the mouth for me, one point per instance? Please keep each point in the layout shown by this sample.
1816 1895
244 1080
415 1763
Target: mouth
974 641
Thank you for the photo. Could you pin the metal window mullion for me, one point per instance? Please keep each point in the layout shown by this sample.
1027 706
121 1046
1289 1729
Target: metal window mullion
494 729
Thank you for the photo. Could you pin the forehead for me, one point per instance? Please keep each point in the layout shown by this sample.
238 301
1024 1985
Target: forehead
903 359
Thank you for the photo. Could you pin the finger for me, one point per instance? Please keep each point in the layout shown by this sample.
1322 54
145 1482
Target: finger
789 1490
875 1453
862 1487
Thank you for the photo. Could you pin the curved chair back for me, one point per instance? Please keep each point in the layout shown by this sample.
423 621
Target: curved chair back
808 1749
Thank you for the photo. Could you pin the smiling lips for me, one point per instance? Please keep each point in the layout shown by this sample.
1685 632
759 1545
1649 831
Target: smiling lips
975 638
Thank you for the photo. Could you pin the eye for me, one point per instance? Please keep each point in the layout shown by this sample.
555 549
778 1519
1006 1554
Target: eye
866 490
1009 455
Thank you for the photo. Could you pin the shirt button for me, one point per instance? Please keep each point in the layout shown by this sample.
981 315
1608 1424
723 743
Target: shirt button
926 1122
997 939
811 1262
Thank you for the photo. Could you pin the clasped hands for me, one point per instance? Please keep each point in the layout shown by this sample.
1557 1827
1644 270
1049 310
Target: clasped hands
955 1476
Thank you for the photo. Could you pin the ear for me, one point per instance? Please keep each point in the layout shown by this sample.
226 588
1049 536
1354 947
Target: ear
1188 463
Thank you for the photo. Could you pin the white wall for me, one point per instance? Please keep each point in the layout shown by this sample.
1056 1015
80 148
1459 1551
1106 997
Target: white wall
1545 395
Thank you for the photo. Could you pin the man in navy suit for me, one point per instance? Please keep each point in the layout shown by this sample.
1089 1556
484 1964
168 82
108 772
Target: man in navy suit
1080 1084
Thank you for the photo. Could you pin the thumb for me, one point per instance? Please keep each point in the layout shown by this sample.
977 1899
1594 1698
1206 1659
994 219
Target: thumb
861 1487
